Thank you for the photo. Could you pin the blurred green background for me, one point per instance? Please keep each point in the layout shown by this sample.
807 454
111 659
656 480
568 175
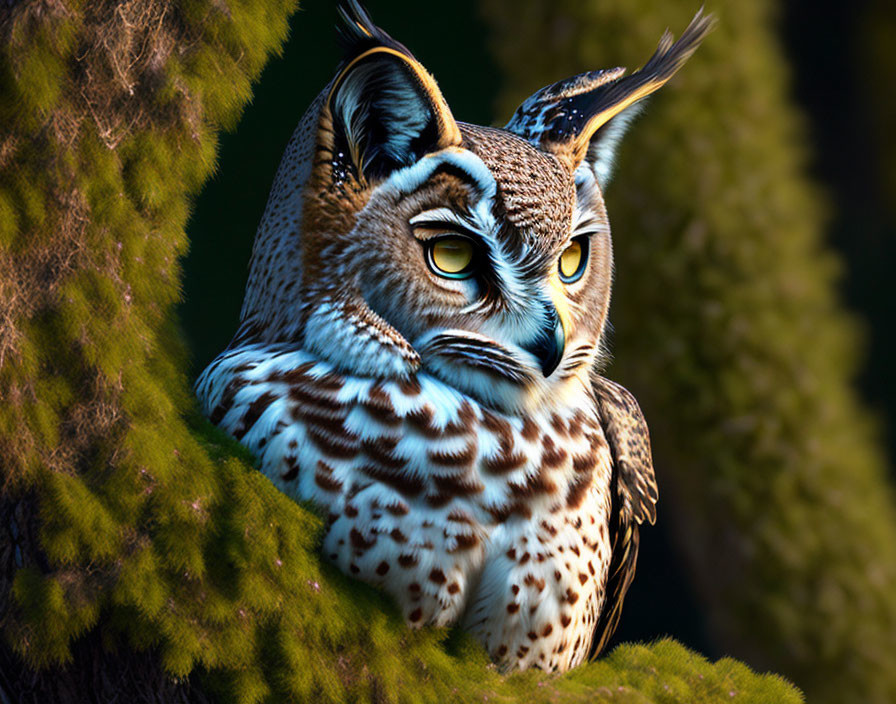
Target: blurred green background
820 77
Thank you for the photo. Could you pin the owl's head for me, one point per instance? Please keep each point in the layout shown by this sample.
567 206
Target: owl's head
398 240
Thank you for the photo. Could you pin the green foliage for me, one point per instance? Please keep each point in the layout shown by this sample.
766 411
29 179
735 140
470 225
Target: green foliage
149 524
728 330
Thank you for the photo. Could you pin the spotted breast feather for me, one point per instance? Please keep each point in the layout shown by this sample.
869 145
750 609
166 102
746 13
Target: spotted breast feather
461 512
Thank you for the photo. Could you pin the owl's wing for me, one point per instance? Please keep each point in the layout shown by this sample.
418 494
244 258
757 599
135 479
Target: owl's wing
634 493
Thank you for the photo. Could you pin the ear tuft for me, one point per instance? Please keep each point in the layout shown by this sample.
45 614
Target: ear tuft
572 118
387 111
357 32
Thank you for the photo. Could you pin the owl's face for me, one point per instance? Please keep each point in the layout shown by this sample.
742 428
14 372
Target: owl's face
404 241
492 260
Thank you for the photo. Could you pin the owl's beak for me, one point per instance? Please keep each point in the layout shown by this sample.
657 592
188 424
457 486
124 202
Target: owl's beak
549 345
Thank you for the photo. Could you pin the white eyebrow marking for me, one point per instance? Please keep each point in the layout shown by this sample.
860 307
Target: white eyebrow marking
409 178
446 215
587 224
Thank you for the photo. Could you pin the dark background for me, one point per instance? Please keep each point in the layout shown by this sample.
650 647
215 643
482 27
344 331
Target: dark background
837 80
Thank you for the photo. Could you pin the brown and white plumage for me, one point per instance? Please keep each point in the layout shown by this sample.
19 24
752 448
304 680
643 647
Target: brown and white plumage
450 419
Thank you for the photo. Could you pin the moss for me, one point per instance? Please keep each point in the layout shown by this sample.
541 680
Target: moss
728 330
134 519
32 85
9 221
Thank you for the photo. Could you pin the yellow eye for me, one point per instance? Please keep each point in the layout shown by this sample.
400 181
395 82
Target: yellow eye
451 257
573 260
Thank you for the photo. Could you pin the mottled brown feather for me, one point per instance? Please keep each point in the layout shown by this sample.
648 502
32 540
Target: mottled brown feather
634 494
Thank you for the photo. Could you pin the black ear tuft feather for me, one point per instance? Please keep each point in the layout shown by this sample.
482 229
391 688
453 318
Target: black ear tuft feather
565 117
387 110
357 32
668 58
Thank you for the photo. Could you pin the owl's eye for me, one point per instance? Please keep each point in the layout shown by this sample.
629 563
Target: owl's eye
451 257
573 260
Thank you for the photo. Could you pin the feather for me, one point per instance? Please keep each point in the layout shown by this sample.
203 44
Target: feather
634 494
563 118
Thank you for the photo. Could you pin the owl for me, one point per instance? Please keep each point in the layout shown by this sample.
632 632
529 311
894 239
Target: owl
420 344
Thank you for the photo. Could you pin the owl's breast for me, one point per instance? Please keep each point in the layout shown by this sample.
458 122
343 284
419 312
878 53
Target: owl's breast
455 509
